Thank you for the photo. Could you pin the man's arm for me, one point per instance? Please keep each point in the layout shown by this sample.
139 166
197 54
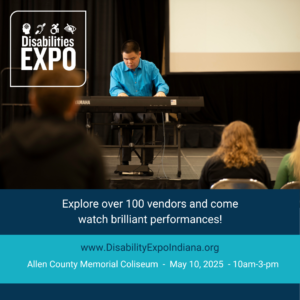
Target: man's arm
162 89
115 86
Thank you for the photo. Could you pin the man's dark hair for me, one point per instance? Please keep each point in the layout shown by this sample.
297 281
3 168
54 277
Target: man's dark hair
130 46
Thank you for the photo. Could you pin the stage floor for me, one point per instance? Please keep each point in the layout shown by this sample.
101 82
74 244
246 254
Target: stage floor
192 162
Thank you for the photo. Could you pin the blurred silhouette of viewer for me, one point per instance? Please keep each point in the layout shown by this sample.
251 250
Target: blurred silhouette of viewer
49 151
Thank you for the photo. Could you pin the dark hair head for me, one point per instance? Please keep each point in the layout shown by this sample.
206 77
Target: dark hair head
56 100
130 46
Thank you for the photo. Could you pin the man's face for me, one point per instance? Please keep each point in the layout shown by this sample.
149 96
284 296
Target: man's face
132 59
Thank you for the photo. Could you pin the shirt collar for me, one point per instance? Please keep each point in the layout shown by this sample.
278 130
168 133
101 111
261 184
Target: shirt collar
140 64
138 67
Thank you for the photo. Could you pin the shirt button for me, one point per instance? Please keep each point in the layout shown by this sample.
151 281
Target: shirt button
136 91
135 82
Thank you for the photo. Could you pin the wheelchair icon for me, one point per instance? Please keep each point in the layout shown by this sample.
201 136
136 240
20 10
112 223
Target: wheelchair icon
54 29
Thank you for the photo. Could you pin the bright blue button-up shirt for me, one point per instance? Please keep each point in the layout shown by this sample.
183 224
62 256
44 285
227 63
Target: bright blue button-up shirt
138 82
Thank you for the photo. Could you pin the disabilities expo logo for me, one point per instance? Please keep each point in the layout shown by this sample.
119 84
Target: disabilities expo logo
53 43
48 42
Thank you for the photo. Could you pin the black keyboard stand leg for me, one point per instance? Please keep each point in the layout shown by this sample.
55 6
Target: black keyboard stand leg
142 169
88 124
121 144
179 146
140 158
144 142
121 140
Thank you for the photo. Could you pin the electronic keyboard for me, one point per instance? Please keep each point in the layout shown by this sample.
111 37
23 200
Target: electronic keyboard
140 104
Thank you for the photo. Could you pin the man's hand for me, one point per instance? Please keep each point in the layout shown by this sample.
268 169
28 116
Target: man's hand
160 94
122 95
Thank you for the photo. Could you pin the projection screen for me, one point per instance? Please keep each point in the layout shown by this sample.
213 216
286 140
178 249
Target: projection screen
233 35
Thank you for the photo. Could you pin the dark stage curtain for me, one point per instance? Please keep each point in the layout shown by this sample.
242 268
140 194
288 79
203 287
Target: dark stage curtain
144 21
268 101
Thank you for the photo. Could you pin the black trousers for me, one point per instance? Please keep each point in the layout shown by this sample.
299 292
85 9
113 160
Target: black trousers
127 133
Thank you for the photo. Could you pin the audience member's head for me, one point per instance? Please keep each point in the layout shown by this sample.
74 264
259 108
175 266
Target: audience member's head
55 100
238 146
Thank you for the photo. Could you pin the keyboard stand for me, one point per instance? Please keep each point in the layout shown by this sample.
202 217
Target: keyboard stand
142 170
135 170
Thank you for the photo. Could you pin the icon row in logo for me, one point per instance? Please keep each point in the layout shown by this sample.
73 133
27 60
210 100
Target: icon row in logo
54 30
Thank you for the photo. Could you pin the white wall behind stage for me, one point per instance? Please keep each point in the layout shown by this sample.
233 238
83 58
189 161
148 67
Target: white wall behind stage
234 35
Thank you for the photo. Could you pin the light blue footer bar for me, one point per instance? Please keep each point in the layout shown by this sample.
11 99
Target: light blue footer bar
149 259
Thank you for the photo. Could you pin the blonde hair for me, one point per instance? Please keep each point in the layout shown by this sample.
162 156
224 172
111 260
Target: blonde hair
294 159
238 146
56 100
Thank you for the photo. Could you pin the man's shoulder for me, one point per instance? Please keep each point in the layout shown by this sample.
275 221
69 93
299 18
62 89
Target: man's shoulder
119 66
148 64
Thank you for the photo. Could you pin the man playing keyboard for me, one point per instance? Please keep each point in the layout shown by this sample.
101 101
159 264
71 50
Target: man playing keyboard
136 77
